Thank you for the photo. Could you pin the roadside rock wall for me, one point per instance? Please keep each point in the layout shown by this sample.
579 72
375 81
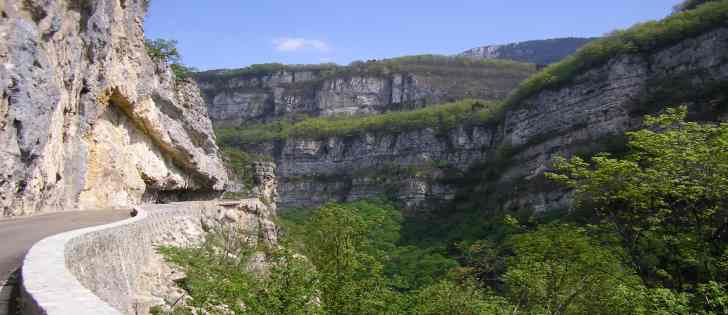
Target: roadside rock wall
115 269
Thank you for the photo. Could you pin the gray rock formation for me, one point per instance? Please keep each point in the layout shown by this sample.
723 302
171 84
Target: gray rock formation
402 165
235 100
608 100
87 119
540 52
426 167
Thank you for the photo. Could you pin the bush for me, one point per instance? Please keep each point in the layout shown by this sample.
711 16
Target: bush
166 51
162 49
218 274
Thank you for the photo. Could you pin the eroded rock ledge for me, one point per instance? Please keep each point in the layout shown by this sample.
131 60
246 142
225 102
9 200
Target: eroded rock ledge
87 119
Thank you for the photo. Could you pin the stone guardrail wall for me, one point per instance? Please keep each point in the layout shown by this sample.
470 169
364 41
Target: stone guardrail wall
95 270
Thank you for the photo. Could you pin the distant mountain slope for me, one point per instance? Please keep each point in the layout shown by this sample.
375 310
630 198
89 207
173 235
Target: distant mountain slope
535 51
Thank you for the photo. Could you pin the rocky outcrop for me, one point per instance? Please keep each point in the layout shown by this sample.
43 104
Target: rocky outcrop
235 100
541 52
87 119
508 157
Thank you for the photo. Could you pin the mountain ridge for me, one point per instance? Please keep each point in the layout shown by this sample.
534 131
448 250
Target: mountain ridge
542 52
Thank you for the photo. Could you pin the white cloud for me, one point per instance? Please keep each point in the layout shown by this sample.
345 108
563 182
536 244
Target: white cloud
287 44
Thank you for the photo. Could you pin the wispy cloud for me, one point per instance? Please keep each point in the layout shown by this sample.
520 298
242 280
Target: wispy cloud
288 44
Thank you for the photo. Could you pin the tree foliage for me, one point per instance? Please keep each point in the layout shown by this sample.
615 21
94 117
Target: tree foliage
558 269
666 199
166 51
346 250
218 275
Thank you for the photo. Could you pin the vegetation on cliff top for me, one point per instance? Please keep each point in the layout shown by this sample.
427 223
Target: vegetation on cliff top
692 4
442 117
414 64
643 38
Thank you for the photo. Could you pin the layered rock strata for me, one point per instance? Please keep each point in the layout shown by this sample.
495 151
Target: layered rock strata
241 100
424 167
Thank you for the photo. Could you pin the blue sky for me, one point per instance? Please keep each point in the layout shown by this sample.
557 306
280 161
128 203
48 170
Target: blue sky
235 33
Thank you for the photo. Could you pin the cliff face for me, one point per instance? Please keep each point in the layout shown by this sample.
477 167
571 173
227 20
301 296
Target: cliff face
240 100
504 162
540 52
609 100
402 165
87 119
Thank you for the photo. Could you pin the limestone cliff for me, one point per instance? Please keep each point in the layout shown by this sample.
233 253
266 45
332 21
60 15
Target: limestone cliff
241 97
87 119
499 165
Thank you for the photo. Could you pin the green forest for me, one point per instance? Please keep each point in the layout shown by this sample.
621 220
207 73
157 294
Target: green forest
648 235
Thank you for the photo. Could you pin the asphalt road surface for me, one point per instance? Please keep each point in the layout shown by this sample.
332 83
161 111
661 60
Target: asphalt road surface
18 234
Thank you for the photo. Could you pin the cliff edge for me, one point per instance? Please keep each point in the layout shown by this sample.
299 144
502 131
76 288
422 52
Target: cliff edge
87 119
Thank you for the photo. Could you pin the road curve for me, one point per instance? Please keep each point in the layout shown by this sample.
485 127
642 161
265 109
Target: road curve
18 234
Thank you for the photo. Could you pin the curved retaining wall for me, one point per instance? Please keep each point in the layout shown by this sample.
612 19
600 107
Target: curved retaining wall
95 270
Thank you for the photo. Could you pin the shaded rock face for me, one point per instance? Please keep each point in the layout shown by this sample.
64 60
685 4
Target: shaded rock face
404 166
241 100
425 168
540 52
87 119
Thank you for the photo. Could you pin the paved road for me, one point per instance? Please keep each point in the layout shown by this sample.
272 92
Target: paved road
17 235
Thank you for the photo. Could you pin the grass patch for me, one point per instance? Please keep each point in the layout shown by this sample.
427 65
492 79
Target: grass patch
443 117
643 38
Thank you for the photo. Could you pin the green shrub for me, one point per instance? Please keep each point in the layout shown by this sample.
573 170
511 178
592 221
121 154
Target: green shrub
642 38
163 49
217 273
166 51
